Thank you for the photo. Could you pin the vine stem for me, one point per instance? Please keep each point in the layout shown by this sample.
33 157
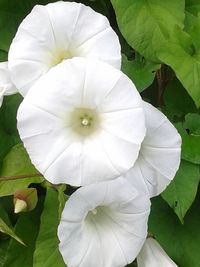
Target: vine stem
16 177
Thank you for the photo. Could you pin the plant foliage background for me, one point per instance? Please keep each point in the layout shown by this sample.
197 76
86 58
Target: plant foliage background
161 54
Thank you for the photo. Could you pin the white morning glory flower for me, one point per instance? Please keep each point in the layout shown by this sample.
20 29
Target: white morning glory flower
58 31
152 255
103 225
159 156
82 122
6 85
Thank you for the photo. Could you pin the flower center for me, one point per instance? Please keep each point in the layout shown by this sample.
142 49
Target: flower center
98 216
84 121
59 56
94 211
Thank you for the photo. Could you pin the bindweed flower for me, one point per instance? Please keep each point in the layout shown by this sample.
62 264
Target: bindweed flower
152 255
103 225
82 123
59 31
159 156
6 85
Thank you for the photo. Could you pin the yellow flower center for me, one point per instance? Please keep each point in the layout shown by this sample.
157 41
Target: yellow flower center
59 56
84 121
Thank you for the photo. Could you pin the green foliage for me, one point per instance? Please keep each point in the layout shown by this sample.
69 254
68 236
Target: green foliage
192 6
140 71
46 252
191 141
177 102
26 228
181 242
155 30
180 200
183 59
147 25
4 228
17 162
8 129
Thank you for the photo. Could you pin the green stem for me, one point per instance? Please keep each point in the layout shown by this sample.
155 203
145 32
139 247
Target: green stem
16 177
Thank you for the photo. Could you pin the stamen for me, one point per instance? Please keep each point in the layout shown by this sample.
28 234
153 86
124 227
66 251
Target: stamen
85 122
94 211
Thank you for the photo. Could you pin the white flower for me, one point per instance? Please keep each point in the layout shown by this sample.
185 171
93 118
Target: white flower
159 156
82 122
103 225
58 31
152 255
6 85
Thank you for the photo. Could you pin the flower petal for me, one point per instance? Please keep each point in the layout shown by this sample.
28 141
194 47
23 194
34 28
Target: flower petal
103 225
153 255
6 85
48 127
159 157
68 30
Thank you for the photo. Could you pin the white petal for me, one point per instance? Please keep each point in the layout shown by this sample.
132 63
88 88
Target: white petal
159 157
56 149
103 225
6 85
58 31
153 255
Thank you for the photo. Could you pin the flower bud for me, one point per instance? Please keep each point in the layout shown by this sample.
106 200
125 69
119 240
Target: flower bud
20 205
25 200
153 255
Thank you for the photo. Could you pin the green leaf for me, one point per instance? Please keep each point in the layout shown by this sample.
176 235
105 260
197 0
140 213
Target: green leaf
47 252
182 54
181 242
192 6
181 192
62 198
4 228
3 55
8 129
17 162
177 101
27 228
3 247
190 139
140 71
192 123
146 24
